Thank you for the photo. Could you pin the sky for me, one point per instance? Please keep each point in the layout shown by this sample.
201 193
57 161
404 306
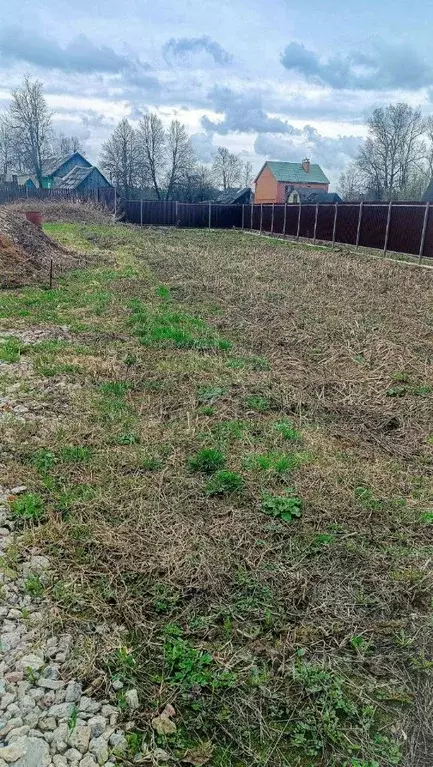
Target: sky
270 79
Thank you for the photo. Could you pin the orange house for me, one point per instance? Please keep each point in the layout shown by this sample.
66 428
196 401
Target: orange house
277 180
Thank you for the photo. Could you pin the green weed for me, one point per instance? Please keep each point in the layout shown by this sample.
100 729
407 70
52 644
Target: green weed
33 585
122 665
163 327
259 403
210 393
44 460
190 668
75 454
277 463
286 507
207 460
10 349
224 482
126 439
287 430
150 463
28 507
72 721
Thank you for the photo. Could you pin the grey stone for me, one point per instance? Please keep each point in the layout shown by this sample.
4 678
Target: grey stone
73 755
118 743
47 723
11 725
27 752
88 761
116 684
51 684
26 703
7 699
9 640
79 738
97 726
32 718
13 710
99 747
18 489
160 755
60 761
51 672
73 692
131 698
33 661
18 732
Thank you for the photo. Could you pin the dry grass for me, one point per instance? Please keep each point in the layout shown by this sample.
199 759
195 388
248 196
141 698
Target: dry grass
283 643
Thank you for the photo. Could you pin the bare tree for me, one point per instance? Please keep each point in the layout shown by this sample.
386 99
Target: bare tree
350 184
63 145
180 156
227 168
120 158
29 121
247 174
393 150
7 153
198 185
151 143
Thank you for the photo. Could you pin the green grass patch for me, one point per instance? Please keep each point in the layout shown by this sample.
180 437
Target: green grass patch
164 327
28 507
10 349
207 460
224 482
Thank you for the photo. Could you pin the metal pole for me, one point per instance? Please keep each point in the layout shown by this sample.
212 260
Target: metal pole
284 219
51 273
315 222
334 228
261 217
299 221
243 216
252 213
141 212
388 221
358 231
424 230
272 218
210 214
176 214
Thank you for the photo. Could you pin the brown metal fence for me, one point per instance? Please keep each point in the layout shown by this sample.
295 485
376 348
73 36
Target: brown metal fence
402 227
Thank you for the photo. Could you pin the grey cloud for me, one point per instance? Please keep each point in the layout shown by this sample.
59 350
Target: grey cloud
332 153
203 147
80 56
384 67
243 112
184 47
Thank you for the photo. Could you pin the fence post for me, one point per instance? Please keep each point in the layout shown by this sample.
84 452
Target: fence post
243 216
299 220
261 217
334 228
424 230
272 218
315 222
51 273
252 213
141 212
210 215
358 230
176 214
27 191
388 221
284 219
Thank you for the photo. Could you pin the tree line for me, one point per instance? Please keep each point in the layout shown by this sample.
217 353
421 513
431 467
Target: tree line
396 160
162 160
148 157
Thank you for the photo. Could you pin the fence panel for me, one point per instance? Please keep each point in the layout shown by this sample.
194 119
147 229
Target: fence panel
278 218
292 214
308 216
226 216
256 216
347 224
405 228
192 215
373 225
132 211
325 222
267 218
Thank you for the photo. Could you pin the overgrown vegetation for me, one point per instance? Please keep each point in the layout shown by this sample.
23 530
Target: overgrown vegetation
238 490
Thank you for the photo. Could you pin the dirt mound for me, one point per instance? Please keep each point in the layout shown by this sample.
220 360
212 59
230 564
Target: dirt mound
26 252
54 212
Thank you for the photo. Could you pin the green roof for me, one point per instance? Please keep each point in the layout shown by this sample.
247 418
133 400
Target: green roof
294 172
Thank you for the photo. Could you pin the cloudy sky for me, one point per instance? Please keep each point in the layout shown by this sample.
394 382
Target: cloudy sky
273 79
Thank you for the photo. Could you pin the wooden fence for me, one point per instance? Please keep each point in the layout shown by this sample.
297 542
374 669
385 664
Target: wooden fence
103 196
400 227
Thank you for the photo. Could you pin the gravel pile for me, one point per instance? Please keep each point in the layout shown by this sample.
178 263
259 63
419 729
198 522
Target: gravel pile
45 719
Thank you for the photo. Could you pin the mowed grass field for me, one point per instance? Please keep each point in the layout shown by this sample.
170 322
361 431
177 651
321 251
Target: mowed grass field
238 496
